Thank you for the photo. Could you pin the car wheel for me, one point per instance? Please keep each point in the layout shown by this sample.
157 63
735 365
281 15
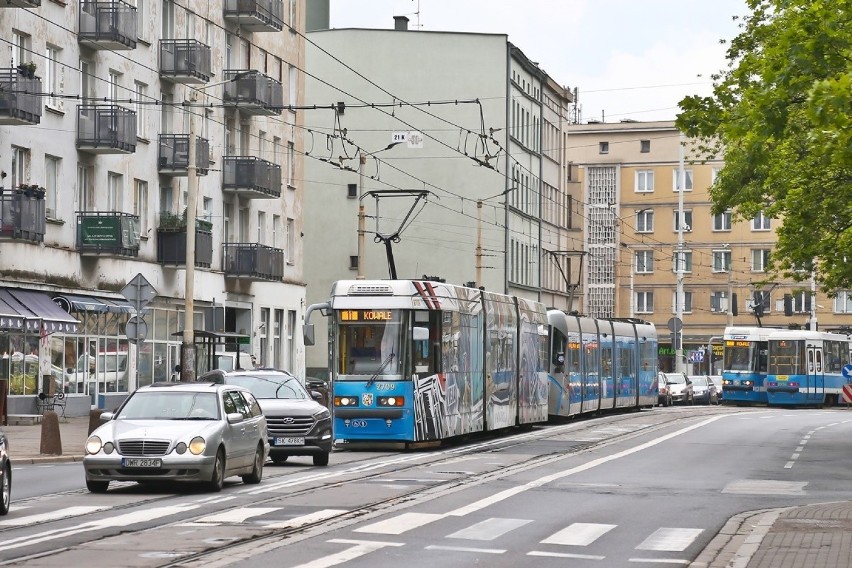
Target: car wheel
217 478
257 471
5 490
279 459
321 459
97 486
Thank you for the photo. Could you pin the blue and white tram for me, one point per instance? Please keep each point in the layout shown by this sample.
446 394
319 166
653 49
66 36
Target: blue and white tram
417 361
805 367
744 364
600 364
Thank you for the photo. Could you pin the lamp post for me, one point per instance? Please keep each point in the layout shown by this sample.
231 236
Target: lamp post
479 232
362 161
187 367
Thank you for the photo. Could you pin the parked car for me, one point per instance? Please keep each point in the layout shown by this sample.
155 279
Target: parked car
703 390
5 475
717 380
665 395
197 432
298 424
680 388
319 385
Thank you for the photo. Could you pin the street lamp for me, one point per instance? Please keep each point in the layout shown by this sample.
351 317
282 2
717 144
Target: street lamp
362 161
479 232
187 366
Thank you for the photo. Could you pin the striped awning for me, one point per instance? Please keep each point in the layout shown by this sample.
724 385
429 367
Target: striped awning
39 311
97 304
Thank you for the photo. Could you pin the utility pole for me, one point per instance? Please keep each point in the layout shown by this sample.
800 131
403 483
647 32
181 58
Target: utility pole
479 242
187 367
730 292
681 258
362 160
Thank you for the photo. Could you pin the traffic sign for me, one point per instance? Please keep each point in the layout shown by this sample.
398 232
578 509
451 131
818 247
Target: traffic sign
139 292
696 356
136 329
675 324
847 372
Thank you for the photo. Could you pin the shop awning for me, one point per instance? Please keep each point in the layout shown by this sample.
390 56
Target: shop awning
10 320
38 308
97 304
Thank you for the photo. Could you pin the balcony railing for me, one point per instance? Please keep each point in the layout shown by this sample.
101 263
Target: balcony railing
20 3
251 177
173 156
184 60
106 129
20 102
252 92
108 24
254 261
22 213
256 15
171 246
107 233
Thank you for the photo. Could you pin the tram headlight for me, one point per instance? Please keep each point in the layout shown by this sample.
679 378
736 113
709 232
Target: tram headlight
391 401
748 383
345 401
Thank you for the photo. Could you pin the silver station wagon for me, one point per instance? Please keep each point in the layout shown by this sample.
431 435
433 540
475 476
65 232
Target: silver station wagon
196 432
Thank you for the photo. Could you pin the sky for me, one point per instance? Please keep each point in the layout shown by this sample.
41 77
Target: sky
629 59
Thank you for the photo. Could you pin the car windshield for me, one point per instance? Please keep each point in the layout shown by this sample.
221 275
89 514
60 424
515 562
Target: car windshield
699 381
273 386
161 405
674 378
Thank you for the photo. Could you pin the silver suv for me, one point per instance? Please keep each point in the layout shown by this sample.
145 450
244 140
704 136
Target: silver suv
298 425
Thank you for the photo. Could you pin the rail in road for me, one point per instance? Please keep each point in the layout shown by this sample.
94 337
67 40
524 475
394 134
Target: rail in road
57 528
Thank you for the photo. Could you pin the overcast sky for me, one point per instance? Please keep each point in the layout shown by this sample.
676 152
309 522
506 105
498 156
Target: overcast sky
629 58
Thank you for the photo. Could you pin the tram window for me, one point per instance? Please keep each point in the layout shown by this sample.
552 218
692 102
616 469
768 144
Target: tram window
819 362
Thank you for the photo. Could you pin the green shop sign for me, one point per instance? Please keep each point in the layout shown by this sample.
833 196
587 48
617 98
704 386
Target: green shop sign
101 231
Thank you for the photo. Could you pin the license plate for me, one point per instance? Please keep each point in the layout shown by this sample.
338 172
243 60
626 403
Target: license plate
141 462
288 442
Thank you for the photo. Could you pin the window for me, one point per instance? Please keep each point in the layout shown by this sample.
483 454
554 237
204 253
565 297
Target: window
276 150
207 209
843 302
52 175
291 241
759 260
760 298
276 231
687 220
644 302
644 146
802 302
291 164
54 75
760 222
86 70
141 20
687 174
644 181
292 83
686 260
114 192
113 87
140 90
140 204
20 48
714 173
722 221
645 221
721 260
719 302
20 166
261 227
687 302
353 263
603 148
85 191
261 144
166 198
644 261
168 19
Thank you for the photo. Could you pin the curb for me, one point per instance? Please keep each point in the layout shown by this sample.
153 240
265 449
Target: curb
44 459
738 540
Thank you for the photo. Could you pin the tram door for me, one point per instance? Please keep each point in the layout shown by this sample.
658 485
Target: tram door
816 375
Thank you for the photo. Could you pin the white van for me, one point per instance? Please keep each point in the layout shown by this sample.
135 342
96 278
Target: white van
109 368
227 361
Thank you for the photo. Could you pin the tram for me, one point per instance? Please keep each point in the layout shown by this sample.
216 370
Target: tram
744 364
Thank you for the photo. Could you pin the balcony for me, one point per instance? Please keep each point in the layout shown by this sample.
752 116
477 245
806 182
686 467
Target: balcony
173 156
256 15
107 233
252 92
171 241
20 3
184 61
109 24
22 213
253 261
106 129
20 102
251 177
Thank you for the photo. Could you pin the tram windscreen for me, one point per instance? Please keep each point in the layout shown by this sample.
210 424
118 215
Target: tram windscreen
370 342
747 356
786 357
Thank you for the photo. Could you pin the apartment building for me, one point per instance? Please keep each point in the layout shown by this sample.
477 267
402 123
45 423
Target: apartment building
475 134
105 109
633 207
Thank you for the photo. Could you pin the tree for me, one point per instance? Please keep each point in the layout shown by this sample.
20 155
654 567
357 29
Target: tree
781 114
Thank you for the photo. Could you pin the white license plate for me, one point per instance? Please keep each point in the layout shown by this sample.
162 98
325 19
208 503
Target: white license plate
141 462
288 442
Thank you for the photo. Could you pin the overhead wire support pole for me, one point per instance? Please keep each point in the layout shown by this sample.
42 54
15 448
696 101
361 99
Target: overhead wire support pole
680 257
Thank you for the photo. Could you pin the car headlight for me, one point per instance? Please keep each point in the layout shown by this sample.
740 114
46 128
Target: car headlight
197 446
180 448
93 445
109 448
322 414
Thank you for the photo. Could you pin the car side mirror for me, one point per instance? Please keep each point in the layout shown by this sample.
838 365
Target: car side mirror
308 334
316 395
107 416
234 418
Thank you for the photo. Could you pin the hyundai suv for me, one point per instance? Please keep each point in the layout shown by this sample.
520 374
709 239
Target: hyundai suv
298 425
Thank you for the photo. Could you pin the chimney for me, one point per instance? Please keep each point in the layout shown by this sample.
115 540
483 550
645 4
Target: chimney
400 23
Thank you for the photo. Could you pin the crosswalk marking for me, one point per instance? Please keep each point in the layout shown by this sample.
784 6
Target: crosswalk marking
51 516
579 534
359 548
237 515
466 549
565 555
670 539
303 520
400 524
489 529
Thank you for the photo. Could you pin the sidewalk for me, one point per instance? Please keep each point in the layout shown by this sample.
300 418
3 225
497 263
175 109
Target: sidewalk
812 536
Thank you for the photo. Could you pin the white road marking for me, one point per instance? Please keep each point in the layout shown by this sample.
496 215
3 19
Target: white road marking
579 534
237 515
359 549
789 464
794 457
670 539
465 549
800 449
50 516
302 520
489 529
565 555
659 561
765 487
400 523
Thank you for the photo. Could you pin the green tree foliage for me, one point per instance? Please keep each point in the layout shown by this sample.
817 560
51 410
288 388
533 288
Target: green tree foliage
781 115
